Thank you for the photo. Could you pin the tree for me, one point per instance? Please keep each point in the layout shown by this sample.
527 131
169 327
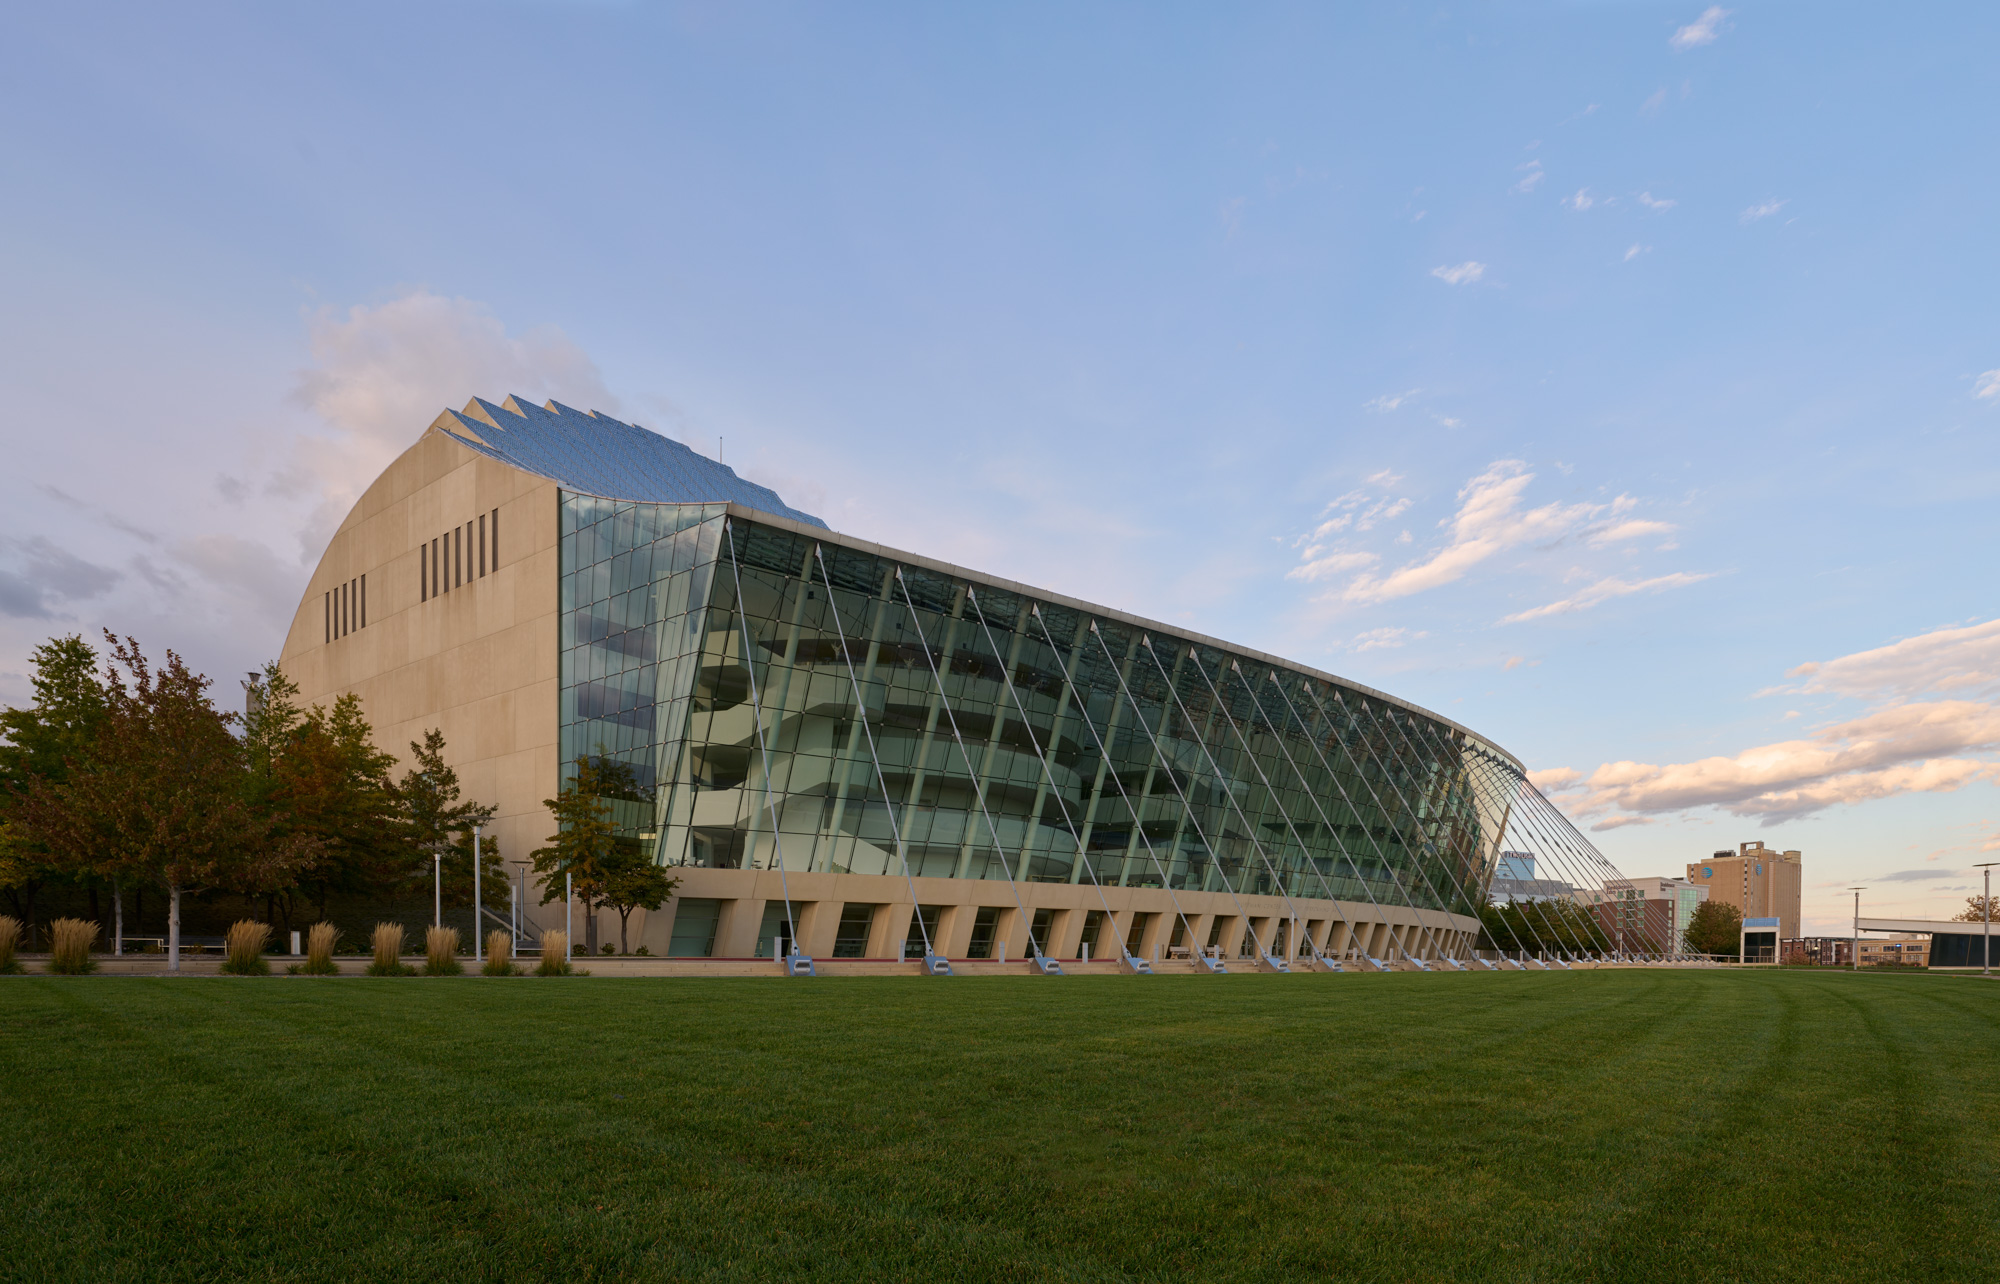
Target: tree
586 843
317 775
160 791
1560 927
438 822
1975 910
632 881
1715 928
40 743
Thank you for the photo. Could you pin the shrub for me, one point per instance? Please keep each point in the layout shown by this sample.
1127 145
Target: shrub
69 946
388 943
609 948
319 950
245 944
499 954
642 950
441 952
10 941
554 946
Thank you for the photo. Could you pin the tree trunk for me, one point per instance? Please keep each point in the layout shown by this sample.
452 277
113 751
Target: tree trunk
173 927
589 928
624 918
117 918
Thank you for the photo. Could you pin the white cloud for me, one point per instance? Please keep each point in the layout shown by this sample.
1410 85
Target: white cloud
1552 780
1532 179
1951 661
1330 564
1580 202
1379 639
1653 104
1464 273
1603 591
1702 31
1987 386
1489 520
1903 746
1655 203
382 373
1764 210
1633 528
1635 252
1389 401
1905 749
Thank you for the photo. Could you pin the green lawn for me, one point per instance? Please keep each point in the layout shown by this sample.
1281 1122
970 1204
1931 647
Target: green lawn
1607 1126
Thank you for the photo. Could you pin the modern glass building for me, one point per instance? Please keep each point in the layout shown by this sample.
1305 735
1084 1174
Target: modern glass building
863 753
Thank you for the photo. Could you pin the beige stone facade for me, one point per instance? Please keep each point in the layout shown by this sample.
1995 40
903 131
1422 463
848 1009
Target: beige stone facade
477 659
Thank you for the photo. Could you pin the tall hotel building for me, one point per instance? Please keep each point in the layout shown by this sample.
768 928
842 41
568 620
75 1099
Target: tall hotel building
873 754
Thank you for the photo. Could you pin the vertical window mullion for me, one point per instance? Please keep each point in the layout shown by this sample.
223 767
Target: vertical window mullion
364 601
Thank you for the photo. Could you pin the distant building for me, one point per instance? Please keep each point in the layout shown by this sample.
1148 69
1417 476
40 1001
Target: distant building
1818 951
1759 881
1514 881
1951 943
1646 912
1905 948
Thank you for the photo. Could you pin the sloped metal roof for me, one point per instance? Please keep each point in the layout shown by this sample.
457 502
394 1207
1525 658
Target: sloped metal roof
595 454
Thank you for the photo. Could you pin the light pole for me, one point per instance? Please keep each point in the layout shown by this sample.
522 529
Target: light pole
437 888
478 906
1986 943
1854 960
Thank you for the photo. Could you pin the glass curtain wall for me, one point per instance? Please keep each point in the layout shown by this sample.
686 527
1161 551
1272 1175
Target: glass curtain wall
1003 738
636 582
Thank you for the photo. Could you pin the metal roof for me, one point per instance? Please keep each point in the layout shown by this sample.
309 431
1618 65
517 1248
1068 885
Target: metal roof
595 454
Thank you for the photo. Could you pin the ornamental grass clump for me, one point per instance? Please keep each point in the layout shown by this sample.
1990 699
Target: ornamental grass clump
388 943
69 946
441 952
554 946
244 945
319 950
10 941
499 954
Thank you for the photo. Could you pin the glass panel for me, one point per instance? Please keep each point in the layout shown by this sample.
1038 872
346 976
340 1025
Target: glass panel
775 933
983 924
850 939
923 924
694 928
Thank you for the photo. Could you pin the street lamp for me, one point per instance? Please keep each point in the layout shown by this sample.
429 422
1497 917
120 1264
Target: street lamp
1855 960
1986 944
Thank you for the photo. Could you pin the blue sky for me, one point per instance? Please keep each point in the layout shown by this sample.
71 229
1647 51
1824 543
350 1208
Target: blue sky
1586 372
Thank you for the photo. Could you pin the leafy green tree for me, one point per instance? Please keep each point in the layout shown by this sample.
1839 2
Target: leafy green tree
632 881
587 844
439 821
39 744
1560 927
316 775
1715 928
160 791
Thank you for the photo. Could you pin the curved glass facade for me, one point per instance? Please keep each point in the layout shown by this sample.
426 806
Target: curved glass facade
790 698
